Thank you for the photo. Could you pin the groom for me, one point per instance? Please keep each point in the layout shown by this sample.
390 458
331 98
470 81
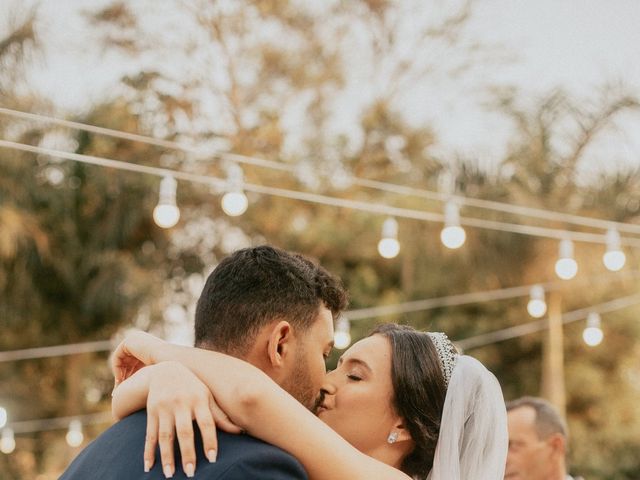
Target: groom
273 309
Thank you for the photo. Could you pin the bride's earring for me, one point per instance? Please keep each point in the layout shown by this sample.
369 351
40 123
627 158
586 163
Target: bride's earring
392 438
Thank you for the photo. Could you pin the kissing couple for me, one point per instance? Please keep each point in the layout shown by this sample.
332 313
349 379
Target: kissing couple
253 400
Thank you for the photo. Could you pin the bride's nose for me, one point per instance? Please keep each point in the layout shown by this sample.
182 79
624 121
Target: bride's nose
328 385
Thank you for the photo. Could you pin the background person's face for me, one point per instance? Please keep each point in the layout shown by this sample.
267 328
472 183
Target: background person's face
360 391
309 368
529 457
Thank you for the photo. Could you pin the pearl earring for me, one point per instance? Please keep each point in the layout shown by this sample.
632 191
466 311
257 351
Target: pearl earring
392 438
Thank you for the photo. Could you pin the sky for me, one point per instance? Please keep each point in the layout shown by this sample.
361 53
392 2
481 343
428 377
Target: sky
576 45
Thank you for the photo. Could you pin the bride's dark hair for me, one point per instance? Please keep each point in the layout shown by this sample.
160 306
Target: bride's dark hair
419 392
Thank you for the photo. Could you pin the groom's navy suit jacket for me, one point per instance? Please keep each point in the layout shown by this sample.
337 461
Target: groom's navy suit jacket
118 454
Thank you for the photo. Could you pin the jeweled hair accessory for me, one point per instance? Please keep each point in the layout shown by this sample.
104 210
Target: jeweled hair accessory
447 353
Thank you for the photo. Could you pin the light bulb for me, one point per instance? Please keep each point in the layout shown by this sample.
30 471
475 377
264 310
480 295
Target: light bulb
536 307
614 258
592 334
388 246
3 417
566 266
453 237
234 203
166 214
75 436
614 261
7 441
342 336
342 340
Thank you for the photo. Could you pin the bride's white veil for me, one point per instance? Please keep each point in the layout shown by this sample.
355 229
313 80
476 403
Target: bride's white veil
473 438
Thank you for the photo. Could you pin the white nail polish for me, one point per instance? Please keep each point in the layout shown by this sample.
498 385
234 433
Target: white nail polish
212 456
147 466
168 473
189 470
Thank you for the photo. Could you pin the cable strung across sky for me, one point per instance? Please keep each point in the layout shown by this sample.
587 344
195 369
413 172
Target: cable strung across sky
539 325
351 315
31 426
376 208
522 210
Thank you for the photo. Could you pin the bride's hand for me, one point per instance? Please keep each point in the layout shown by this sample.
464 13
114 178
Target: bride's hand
176 398
137 350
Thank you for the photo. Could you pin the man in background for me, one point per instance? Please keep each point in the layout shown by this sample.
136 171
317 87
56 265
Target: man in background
538 441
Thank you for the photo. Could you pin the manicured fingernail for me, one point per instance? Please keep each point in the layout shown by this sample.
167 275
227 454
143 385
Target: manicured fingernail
212 455
189 470
168 471
147 466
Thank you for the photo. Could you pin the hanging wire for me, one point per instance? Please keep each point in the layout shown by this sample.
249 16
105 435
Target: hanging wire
57 351
351 315
373 184
543 324
474 297
59 423
370 207
32 426
167 144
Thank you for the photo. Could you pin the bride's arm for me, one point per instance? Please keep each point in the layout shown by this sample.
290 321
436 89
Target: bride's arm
174 397
257 404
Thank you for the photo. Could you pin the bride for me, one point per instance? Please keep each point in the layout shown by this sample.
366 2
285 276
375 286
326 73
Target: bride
400 404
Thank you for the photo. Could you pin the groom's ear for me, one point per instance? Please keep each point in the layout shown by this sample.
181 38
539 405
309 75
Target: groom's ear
280 343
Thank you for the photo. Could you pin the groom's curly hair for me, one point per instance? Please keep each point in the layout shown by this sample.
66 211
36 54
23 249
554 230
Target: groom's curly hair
419 392
255 286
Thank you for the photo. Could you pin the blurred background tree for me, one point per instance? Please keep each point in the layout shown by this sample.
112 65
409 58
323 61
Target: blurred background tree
320 90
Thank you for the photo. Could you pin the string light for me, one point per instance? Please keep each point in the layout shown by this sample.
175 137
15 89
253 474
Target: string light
74 435
388 246
592 334
543 324
166 214
383 186
452 235
61 423
234 202
566 266
353 315
3 417
31 426
371 207
614 258
537 306
7 441
342 336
